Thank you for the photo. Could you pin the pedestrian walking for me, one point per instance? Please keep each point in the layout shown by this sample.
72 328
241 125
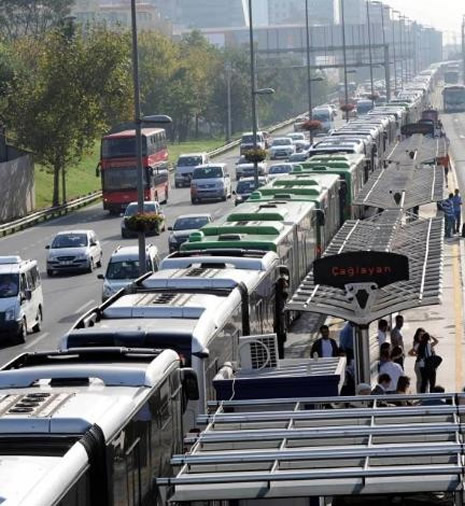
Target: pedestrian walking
447 207
457 203
413 353
397 338
324 346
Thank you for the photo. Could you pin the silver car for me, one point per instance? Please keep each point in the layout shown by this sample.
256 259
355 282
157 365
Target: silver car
74 250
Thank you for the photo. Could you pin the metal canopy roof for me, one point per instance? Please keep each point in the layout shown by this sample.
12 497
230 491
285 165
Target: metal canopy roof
292 448
416 184
420 240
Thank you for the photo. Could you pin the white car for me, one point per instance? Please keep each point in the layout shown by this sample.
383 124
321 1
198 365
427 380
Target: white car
210 182
74 250
282 147
123 268
299 139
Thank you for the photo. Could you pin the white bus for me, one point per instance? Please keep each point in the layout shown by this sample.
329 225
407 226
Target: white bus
200 312
91 427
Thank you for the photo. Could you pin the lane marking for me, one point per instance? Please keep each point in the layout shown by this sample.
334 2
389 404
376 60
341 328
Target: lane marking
36 340
84 306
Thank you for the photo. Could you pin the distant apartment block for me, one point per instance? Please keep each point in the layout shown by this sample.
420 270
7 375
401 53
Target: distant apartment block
117 13
321 12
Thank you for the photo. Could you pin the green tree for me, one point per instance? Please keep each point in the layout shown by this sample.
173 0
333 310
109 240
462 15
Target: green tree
31 17
69 90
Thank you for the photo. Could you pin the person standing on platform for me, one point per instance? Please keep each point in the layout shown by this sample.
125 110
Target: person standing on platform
324 346
382 331
397 338
448 208
457 203
346 340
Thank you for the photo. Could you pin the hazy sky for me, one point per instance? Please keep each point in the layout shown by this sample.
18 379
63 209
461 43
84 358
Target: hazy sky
445 15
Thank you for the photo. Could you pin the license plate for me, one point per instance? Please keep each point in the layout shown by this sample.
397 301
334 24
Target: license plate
66 262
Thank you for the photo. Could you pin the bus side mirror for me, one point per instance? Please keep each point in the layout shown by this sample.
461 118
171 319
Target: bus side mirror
190 383
97 170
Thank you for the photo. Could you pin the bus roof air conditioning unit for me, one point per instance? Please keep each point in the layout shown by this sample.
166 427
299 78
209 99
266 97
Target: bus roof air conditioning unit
258 352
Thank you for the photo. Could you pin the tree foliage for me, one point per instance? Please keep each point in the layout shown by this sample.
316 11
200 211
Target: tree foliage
67 92
31 17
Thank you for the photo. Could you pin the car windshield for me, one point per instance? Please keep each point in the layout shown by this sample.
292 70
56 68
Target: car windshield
280 169
248 139
282 142
149 207
296 137
247 186
321 115
207 173
190 223
70 241
298 157
8 285
125 269
189 161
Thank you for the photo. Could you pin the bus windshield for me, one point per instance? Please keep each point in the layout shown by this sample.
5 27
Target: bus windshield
121 178
122 147
8 285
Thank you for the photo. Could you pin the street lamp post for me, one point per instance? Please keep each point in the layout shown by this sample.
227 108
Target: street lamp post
309 79
138 132
387 70
463 48
344 56
253 91
394 50
370 54
402 53
228 70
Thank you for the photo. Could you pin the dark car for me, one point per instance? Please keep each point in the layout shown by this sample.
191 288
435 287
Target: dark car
246 186
184 226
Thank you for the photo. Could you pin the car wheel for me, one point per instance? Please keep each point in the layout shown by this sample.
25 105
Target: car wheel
91 265
177 185
22 333
38 326
99 263
49 273
166 197
224 197
123 234
194 201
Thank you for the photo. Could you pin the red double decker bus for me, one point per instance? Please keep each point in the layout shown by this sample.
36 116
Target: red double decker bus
118 168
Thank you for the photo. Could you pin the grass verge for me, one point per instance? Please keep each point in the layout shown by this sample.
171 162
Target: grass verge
81 179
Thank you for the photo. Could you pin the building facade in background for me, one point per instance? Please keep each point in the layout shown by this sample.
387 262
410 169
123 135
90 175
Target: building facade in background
117 14
321 12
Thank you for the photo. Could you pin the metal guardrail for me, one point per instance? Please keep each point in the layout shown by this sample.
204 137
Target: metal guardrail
52 212
45 214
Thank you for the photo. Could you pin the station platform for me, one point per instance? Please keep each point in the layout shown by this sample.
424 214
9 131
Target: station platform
445 321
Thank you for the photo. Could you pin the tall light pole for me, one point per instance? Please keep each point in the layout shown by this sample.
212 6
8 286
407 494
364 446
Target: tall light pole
138 119
228 70
344 56
253 86
387 70
309 76
402 53
370 54
394 50
463 48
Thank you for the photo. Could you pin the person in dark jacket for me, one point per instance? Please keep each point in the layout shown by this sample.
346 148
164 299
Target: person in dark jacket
324 346
384 382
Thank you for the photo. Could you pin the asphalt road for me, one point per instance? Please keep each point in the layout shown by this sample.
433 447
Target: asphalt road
66 297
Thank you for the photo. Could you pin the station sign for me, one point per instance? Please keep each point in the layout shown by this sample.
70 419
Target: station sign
361 267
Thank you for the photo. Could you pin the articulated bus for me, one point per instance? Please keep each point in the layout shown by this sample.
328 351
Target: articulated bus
90 427
118 168
454 98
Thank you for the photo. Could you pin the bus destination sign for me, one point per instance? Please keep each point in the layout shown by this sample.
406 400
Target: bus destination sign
361 267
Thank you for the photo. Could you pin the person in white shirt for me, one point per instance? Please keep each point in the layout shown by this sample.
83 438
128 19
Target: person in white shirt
382 331
324 346
394 370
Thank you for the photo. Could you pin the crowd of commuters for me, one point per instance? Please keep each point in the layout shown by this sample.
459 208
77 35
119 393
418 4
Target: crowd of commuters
392 353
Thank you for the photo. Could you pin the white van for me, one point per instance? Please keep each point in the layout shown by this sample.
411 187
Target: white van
123 268
21 298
